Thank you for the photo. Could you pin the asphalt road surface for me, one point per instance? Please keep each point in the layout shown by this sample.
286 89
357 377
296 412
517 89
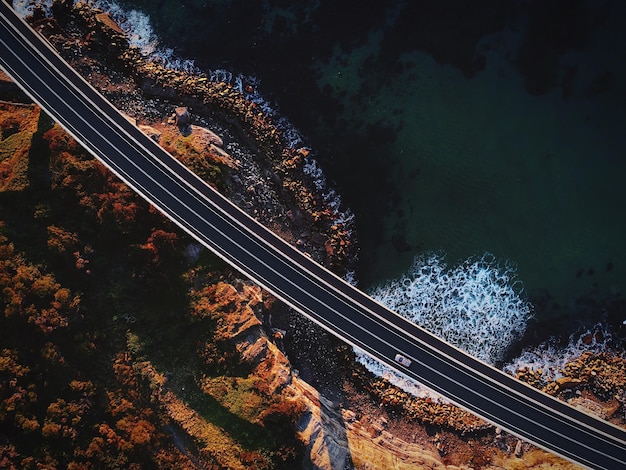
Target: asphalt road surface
289 274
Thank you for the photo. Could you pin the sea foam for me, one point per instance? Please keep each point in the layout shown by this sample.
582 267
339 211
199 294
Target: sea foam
138 29
478 306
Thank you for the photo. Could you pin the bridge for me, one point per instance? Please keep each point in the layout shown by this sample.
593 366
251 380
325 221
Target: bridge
290 275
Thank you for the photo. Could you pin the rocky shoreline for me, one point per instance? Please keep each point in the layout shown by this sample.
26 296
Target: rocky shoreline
148 91
352 419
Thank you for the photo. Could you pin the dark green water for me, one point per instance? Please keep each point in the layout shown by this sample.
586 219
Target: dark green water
466 127
479 165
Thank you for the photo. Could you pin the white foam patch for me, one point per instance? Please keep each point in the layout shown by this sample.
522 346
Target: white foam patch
401 381
476 306
138 29
25 7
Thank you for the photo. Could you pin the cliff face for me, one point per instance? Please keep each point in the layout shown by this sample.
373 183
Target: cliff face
335 438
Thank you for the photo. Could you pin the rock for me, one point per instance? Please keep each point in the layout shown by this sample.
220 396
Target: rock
220 155
349 416
441 447
277 333
151 132
567 382
336 441
205 135
182 116
519 450
195 146
318 239
603 410
376 429
107 22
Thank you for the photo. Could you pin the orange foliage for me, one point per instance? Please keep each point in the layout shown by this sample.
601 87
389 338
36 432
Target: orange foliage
119 405
27 424
95 187
17 395
95 447
118 202
214 300
283 414
8 456
160 245
29 293
51 353
111 437
61 240
86 388
51 430
78 466
139 431
63 417
123 369
59 140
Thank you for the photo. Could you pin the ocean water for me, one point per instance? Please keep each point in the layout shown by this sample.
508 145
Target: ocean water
449 127
480 165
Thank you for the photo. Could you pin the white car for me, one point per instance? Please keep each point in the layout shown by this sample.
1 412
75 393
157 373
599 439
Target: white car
406 362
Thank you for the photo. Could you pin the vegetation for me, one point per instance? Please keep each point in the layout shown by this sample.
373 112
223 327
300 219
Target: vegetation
114 348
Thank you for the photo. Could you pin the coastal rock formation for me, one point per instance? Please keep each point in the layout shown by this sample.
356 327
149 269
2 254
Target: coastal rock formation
148 89
182 117
337 439
593 381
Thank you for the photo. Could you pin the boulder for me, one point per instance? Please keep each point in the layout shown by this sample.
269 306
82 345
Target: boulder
182 116
568 382
205 136
519 449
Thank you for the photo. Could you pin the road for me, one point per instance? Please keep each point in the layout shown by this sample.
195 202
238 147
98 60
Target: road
290 275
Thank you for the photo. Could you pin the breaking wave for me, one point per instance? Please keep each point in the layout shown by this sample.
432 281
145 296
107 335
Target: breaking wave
140 34
477 306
